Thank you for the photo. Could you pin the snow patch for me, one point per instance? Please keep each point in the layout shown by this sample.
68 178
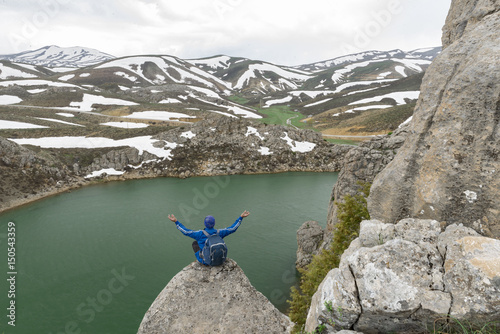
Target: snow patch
240 111
253 131
89 100
126 125
222 113
319 102
126 76
36 83
18 125
170 100
158 115
188 134
9 99
264 150
108 171
9 72
406 122
296 146
383 75
144 143
350 111
360 83
64 114
278 101
401 70
36 91
67 77
399 97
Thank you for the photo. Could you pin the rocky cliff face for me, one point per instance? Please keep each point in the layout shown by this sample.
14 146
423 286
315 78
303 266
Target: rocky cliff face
403 277
448 167
309 240
25 174
202 299
362 164
223 146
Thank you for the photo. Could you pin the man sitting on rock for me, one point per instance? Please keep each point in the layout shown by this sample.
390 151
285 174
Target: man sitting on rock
201 236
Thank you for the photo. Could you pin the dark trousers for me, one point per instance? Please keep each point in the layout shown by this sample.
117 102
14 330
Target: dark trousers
196 247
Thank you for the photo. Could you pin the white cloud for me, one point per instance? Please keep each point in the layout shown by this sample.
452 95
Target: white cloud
290 33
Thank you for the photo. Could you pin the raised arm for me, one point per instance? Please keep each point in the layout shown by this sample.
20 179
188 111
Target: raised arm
184 230
231 229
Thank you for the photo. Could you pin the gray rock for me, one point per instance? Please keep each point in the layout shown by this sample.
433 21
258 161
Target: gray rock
448 167
309 239
335 304
403 277
463 15
202 299
396 287
374 233
362 164
473 278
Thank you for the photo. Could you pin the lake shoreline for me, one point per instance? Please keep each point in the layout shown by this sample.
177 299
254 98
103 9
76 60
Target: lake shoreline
81 182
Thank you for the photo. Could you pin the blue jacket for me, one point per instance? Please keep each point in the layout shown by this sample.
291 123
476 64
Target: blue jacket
200 237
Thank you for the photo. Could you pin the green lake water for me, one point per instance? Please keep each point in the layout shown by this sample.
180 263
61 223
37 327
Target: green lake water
93 260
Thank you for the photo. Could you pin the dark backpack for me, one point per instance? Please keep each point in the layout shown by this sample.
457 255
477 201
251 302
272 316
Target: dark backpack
214 252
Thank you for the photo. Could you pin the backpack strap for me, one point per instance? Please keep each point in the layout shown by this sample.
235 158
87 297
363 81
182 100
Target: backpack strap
208 234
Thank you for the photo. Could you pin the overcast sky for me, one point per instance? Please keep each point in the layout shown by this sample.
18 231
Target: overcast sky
278 31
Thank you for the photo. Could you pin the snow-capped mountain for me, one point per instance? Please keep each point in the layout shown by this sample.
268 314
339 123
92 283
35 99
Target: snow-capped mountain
428 54
161 70
252 76
54 56
213 84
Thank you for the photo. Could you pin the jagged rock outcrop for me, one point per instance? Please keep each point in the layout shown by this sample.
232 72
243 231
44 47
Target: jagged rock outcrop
464 14
235 146
402 277
362 164
25 174
309 240
448 167
226 146
202 299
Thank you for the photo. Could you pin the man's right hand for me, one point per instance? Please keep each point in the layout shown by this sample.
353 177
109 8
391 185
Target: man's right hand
172 218
245 214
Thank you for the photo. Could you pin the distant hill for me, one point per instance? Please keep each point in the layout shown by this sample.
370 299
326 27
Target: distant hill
54 56
368 92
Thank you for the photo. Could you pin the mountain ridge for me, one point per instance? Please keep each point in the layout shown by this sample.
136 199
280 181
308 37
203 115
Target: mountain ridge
55 56
325 95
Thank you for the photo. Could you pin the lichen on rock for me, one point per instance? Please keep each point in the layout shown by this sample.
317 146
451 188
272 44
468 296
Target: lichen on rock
415 274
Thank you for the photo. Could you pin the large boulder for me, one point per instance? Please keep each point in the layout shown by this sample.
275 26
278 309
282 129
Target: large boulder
404 277
448 167
202 299
309 240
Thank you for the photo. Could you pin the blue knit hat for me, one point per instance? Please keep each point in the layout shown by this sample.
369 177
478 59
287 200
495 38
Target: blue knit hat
209 221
